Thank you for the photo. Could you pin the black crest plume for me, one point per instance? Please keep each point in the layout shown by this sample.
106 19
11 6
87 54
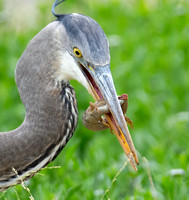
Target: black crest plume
56 3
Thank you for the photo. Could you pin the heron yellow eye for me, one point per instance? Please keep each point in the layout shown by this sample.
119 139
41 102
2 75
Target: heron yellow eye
77 52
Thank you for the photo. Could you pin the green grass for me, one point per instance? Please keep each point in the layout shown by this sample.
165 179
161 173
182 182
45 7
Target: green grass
149 62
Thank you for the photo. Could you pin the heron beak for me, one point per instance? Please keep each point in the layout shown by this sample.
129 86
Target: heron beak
102 87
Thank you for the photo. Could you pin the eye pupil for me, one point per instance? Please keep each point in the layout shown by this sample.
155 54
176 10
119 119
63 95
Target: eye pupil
77 52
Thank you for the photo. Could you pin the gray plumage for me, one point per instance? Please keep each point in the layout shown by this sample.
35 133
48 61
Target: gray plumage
86 34
50 103
72 47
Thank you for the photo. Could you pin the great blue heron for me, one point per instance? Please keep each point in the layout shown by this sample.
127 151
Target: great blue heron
72 47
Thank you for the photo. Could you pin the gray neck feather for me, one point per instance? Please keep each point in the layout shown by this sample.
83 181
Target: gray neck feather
51 109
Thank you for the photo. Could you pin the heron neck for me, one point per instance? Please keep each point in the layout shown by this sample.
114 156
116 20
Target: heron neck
39 139
51 113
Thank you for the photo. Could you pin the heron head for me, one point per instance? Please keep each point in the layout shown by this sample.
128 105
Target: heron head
88 46
87 40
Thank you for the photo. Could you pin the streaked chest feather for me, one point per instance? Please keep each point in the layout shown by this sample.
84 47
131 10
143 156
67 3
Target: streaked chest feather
69 123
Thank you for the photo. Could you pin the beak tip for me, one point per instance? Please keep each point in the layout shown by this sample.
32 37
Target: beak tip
133 161
134 167
136 159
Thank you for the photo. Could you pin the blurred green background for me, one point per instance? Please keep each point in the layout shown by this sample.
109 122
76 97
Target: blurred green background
150 62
